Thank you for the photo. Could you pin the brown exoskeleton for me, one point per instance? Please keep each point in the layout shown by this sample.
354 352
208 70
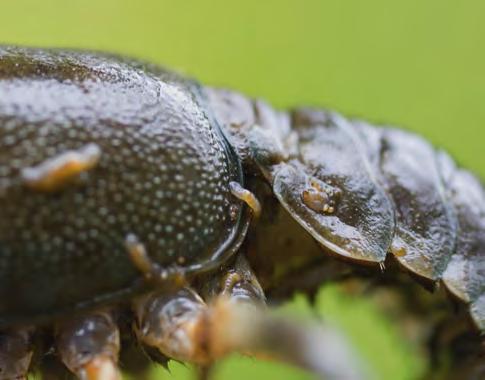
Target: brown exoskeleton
137 206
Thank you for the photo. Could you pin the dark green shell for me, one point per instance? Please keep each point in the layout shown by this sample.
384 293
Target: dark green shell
364 193
368 194
163 175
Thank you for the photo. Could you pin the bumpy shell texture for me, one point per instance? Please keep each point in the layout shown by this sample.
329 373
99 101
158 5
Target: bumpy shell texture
367 193
162 174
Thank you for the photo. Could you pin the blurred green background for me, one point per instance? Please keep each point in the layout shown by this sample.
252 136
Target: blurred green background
413 63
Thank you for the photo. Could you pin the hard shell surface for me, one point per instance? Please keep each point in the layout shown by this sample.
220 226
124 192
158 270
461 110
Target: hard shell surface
163 176
391 193
464 276
425 234
363 192
357 220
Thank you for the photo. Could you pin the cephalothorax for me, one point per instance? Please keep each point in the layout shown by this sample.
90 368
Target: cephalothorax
126 196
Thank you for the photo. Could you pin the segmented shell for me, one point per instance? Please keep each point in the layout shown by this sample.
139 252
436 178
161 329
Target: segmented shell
364 192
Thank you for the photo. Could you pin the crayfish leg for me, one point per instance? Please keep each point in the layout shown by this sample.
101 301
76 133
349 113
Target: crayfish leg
170 321
89 346
15 353
182 326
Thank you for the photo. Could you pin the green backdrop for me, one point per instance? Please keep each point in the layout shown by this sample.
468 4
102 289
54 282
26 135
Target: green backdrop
414 63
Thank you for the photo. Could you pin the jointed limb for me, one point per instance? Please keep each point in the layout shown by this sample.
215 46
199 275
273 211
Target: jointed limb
89 346
182 326
15 353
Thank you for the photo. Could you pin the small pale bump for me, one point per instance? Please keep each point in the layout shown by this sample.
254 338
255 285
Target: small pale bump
111 219
246 196
319 197
315 199
138 255
398 250
55 172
